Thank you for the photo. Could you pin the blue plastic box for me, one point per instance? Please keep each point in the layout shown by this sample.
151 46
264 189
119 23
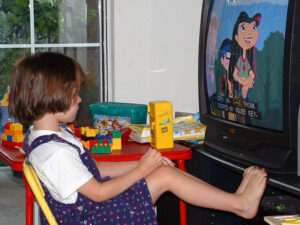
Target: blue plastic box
123 112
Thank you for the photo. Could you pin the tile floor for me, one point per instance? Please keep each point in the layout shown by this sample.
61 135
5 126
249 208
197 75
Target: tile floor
12 198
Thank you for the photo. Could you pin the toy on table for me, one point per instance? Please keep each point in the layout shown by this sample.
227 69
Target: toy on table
88 133
13 135
5 117
88 136
103 146
283 220
161 124
116 140
110 144
101 141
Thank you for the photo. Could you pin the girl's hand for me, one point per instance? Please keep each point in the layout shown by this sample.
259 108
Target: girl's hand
167 162
249 82
151 160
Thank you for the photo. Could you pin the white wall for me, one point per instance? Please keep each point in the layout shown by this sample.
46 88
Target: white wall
154 51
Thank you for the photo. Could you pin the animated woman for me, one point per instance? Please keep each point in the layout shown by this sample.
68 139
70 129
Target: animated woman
242 64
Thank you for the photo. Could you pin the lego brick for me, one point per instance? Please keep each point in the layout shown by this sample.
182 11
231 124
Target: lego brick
9 138
101 149
116 144
4 136
116 134
11 144
19 138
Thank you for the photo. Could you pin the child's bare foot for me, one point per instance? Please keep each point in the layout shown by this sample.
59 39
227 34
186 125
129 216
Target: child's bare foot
253 192
245 180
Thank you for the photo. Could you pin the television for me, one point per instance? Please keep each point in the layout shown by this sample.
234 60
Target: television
249 82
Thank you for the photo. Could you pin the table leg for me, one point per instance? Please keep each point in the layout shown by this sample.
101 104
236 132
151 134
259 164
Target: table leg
182 205
29 203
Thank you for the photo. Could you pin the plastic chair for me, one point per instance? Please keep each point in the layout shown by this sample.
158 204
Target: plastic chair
38 191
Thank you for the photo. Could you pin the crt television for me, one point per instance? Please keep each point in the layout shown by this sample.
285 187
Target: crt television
249 81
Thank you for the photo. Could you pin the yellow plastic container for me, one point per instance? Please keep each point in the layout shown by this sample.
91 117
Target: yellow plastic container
161 124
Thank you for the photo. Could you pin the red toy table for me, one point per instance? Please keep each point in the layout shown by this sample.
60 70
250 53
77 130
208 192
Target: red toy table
13 157
131 151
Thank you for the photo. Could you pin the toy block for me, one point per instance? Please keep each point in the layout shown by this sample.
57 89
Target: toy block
7 125
13 135
9 138
16 127
105 142
89 144
77 132
116 144
116 134
85 144
13 132
71 127
11 144
82 130
19 138
92 143
100 142
101 148
88 133
4 136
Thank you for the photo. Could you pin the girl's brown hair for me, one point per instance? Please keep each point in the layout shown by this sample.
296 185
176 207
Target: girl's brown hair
43 83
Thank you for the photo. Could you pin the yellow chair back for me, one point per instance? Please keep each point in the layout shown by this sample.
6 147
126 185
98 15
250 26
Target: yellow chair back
38 191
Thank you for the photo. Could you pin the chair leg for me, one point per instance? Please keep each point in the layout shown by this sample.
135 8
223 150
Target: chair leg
36 214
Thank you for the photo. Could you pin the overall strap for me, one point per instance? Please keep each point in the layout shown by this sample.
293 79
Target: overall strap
46 138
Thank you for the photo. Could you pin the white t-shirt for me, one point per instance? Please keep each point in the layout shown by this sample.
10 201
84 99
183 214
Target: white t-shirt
58 165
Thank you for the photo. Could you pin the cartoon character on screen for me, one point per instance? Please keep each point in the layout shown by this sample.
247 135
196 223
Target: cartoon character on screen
225 86
242 64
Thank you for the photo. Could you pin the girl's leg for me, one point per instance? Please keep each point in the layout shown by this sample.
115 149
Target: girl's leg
197 192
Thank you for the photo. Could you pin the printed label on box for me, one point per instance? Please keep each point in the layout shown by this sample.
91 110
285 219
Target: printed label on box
110 122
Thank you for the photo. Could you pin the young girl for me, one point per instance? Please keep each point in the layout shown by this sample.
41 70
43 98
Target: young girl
44 92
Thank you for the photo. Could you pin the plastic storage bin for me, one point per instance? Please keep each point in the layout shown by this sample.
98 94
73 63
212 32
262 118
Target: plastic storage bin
122 112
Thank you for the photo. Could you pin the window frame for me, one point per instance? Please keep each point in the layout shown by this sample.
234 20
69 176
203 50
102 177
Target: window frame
102 14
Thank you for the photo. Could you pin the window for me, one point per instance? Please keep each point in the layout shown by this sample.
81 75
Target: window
73 27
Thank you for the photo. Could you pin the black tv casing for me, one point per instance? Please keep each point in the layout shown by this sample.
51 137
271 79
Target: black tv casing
275 150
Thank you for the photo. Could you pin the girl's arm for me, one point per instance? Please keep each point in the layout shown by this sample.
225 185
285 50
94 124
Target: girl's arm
103 191
116 169
250 80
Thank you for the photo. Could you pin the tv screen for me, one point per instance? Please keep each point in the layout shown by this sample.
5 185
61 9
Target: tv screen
244 61
249 82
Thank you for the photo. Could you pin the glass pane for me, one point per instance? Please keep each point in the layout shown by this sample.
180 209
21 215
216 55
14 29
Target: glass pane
90 93
14 22
8 57
61 21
